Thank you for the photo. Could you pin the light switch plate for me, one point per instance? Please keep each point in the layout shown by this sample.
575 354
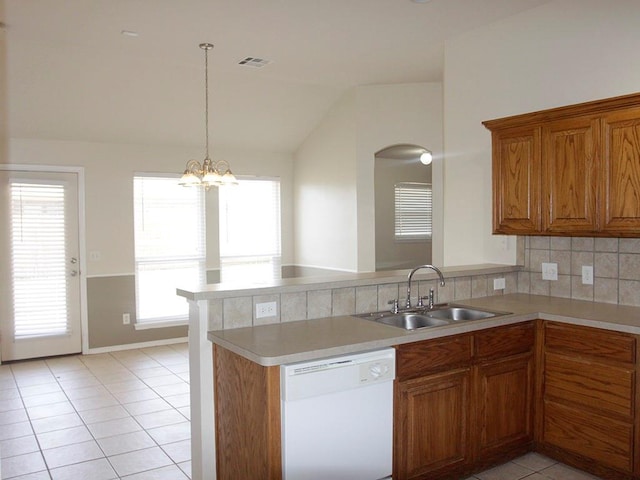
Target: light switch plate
550 271
587 275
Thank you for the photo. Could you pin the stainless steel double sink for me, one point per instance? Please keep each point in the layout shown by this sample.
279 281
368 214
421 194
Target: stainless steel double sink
439 315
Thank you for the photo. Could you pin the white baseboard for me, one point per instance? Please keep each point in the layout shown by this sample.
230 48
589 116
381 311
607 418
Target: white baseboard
132 346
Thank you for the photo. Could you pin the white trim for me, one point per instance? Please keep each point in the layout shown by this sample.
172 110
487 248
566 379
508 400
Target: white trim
133 346
151 324
104 275
82 247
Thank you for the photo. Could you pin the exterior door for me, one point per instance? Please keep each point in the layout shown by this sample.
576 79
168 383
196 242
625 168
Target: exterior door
43 314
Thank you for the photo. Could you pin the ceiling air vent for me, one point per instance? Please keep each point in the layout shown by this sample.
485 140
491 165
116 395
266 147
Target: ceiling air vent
254 62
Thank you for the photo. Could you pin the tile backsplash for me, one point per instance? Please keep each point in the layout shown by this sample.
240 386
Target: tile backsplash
615 262
234 312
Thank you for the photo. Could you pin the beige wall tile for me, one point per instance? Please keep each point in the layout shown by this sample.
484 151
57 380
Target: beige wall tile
293 306
606 245
629 266
606 290
578 259
462 288
343 301
563 259
629 293
446 294
561 287
629 245
215 315
524 282
605 265
582 244
537 258
386 293
237 312
539 286
479 286
560 243
580 291
540 243
318 303
367 299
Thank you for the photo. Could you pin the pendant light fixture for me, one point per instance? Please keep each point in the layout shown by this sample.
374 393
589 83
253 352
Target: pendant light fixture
208 173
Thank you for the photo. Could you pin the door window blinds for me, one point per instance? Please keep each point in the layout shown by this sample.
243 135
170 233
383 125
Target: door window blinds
38 259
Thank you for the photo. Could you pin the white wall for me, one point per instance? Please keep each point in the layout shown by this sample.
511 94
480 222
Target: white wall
325 191
109 170
334 170
564 52
390 115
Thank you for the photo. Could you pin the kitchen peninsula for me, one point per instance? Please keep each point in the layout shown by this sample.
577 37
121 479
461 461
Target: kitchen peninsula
336 332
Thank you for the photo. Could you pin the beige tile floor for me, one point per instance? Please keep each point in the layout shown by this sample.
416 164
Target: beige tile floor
99 417
125 415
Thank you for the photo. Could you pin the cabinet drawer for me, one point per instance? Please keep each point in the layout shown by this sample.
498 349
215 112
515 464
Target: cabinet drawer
602 387
417 359
599 438
590 342
504 341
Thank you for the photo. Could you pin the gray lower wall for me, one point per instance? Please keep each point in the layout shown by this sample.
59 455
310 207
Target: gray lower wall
107 299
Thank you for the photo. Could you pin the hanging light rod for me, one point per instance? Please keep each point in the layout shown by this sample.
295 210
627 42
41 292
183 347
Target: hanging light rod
208 173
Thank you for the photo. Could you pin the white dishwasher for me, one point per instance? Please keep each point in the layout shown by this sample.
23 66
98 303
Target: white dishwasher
337 417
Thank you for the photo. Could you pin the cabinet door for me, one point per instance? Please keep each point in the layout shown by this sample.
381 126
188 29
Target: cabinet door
621 172
516 181
431 425
504 405
569 175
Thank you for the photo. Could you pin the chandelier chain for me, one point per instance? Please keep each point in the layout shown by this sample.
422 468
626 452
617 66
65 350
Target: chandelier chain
206 98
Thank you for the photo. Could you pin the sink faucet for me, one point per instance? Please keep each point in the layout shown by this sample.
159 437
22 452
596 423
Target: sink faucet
408 302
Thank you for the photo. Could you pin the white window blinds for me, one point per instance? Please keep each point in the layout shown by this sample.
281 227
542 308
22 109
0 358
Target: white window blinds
413 211
38 259
169 246
250 231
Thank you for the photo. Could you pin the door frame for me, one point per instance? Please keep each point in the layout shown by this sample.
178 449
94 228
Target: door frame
79 171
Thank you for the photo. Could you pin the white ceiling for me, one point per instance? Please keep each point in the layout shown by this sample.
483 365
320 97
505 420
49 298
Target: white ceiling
73 76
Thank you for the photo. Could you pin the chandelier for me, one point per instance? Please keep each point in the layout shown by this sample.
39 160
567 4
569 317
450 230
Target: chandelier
209 173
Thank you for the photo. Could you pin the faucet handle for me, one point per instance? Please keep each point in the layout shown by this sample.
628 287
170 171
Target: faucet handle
394 303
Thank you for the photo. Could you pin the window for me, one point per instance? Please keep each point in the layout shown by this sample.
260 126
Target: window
413 211
250 231
169 247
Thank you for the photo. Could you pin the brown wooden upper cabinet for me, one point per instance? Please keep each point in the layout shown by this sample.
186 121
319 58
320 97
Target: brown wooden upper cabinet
568 171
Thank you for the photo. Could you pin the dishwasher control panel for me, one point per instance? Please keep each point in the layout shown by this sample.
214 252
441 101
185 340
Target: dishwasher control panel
377 370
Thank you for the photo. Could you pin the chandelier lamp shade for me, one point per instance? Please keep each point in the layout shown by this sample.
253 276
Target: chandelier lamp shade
208 173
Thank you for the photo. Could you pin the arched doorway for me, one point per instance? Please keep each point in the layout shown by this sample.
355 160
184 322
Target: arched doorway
403 207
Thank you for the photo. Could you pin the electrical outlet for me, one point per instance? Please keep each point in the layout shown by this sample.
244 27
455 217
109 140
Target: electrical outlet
550 271
126 318
587 275
267 309
499 284
95 256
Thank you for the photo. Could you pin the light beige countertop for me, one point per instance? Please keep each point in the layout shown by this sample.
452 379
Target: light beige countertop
305 340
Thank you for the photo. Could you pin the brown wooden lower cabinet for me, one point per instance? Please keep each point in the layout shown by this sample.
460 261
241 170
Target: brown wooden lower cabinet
432 425
467 403
588 406
504 408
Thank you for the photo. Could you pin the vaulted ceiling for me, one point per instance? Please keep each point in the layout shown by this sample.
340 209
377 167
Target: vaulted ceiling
73 74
